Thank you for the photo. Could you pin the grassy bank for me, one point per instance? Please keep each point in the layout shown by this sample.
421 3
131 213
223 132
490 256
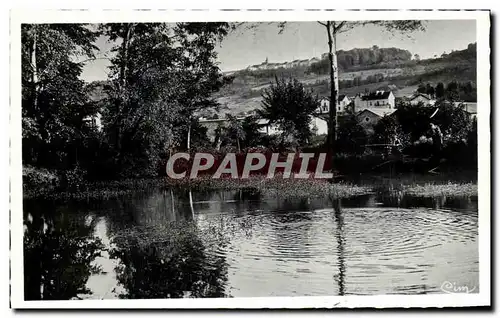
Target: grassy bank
277 186
438 190
412 184
425 185
96 190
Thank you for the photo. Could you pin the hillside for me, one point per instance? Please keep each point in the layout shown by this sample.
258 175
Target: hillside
361 70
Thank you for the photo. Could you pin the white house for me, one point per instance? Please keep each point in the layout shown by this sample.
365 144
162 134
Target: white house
319 125
421 98
383 99
324 107
266 128
94 121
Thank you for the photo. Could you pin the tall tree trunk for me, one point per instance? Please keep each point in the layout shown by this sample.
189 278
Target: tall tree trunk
189 136
239 147
334 85
34 68
41 150
127 37
125 48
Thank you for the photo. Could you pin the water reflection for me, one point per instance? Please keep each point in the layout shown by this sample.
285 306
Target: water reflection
167 262
170 244
340 236
59 248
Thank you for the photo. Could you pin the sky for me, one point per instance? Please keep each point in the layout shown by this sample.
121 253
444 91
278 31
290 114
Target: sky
304 40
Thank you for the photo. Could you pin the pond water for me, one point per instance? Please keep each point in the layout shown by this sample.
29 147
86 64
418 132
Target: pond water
243 244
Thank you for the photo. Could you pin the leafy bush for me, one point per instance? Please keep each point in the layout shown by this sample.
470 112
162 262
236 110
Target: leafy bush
39 180
351 137
73 179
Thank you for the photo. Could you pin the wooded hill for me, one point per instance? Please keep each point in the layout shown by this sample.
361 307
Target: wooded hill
361 70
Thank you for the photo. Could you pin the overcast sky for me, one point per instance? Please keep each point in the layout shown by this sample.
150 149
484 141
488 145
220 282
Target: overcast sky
305 40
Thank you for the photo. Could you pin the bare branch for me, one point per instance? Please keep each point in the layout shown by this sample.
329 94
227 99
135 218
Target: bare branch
347 26
339 27
281 26
93 59
323 24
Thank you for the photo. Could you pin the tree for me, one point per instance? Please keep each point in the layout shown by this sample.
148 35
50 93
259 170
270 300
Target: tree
429 90
54 101
161 74
421 88
440 90
352 137
361 57
234 130
333 28
416 57
250 128
389 131
452 91
453 121
289 105
414 119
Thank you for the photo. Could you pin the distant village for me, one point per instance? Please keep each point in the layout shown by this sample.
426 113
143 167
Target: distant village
367 108
272 66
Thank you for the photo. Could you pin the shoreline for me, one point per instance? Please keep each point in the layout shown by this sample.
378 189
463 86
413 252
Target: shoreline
410 184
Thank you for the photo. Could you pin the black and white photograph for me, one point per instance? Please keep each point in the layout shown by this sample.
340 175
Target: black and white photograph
250 159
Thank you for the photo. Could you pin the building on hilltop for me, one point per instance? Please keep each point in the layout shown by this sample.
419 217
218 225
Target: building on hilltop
314 60
271 66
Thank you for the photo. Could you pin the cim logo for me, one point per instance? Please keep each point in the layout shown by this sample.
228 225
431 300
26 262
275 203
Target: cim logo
454 288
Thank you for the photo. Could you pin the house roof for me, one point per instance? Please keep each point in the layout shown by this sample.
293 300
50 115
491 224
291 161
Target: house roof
380 112
341 97
376 95
419 94
262 121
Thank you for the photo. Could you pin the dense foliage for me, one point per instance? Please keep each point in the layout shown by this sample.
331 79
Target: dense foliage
289 106
55 105
409 127
362 57
351 137
160 75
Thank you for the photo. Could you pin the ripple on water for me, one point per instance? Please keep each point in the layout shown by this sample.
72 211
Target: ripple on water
359 251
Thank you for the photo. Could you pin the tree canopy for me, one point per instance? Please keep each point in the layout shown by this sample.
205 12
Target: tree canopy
289 105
